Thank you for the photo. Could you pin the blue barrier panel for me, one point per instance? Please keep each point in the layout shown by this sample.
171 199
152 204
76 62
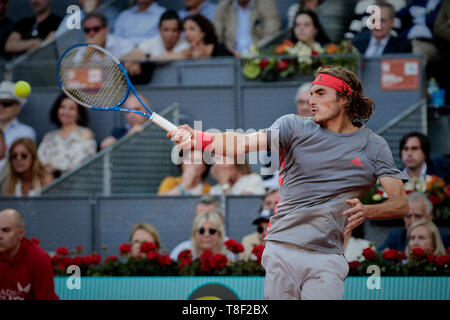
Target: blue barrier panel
244 288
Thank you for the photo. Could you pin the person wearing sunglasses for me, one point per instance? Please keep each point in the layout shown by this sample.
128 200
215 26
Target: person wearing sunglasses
10 108
27 176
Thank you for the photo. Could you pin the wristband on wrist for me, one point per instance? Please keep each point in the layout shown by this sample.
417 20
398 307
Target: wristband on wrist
203 141
180 188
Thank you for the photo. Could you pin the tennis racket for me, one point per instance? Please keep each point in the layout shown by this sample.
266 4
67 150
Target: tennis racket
95 79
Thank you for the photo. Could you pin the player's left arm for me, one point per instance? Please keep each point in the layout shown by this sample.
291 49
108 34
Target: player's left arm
396 206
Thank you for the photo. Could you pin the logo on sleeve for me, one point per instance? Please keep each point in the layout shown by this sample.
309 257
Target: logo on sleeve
26 289
357 162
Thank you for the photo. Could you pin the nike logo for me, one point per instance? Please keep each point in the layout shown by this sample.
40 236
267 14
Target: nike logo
357 162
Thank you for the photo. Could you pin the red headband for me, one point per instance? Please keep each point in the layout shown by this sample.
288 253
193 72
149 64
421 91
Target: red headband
337 84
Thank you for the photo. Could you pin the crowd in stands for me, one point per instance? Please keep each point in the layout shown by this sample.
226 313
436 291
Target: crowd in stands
149 32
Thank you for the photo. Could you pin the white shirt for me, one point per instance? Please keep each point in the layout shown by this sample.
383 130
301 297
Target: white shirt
423 172
249 184
16 130
118 46
243 33
372 50
155 46
354 249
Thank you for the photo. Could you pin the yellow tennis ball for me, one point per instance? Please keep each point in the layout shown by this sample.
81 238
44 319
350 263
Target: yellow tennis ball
22 89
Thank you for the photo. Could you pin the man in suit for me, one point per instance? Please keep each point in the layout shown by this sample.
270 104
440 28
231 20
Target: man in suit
420 207
379 41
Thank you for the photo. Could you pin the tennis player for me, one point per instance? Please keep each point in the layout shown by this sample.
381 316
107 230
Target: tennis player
328 162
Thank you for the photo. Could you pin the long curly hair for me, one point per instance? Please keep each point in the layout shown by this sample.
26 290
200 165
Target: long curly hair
359 107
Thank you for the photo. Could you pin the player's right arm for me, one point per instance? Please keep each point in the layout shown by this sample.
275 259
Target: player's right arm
223 143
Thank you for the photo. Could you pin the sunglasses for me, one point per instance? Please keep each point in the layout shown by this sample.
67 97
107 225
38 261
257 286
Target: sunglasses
210 231
260 229
95 29
7 103
15 156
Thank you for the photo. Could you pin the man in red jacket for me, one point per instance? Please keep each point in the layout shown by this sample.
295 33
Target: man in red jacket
25 269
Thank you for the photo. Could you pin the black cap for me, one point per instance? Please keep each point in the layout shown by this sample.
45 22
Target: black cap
264 215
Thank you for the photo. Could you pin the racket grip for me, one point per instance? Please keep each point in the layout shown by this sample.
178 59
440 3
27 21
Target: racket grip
162 122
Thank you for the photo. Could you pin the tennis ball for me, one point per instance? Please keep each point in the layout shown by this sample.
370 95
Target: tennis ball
22 89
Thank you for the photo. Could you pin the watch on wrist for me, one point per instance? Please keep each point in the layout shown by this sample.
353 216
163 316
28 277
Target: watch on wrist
225 186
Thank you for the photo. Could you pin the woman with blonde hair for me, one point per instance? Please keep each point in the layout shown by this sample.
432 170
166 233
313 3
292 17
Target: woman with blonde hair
144 232
208 232
27 176
425 235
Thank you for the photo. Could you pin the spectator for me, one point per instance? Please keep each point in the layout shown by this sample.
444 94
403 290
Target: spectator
203 7
3 158
30 33
425 235
236 179
144 232
307 29
417 26
63 149
354 244
302 100
194 171
27 176
6 25
201 35
261 222
243 23
415 153
96 31
361 16
140 22
376 42
312 5
134 121
167 45
420 208
88 6
203 205
26 269
10 107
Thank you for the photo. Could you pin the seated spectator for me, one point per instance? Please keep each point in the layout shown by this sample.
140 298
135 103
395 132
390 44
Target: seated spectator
425 235
376 42
88 6
415 153
420 208
194 171
144 232
10 107
201 35
203 7
30 33
312 5
63 149
243 23
26 269
418 19
203 205
169 44
96 30
354 244
134 121
302 100
361 16
208 233
261 222
3 158
307 29
6 26
27 176
235 179
139 22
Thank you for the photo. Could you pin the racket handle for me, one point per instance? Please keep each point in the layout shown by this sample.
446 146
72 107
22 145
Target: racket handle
162 122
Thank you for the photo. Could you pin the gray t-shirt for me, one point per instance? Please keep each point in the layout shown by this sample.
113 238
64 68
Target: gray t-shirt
319 170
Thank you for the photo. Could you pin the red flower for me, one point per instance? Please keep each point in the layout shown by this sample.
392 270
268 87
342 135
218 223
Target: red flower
35 241
78 261
353 265
234 246
380 192
435 200
418 252
124 248
185 254
263 63
151 255
257 251
206 263
220 261
431 258
62 251
447 251
93 259
79 249
184 262
111 259
401 256
391 254
164 260
314 53
369 254
282 65
147 247
443 260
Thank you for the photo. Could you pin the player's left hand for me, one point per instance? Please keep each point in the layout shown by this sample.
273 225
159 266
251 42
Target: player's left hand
356 215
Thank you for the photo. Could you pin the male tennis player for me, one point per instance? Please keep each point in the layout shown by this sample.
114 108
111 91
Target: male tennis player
327 163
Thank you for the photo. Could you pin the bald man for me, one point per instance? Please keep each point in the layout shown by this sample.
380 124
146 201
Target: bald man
25 269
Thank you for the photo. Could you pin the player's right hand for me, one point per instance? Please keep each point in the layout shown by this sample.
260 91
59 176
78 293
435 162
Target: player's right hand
183 136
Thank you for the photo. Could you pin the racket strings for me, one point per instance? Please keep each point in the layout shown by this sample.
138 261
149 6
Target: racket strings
92 77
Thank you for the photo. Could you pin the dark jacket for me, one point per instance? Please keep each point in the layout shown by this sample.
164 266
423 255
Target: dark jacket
394 45
397 239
